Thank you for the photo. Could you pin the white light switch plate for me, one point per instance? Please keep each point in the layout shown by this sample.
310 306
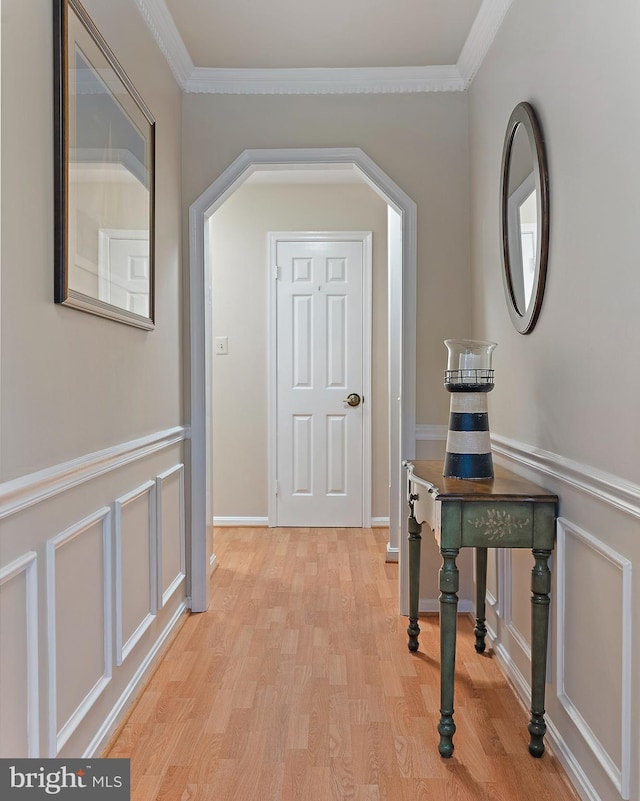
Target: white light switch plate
222 346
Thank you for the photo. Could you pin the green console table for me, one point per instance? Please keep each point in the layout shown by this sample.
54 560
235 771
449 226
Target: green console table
503 512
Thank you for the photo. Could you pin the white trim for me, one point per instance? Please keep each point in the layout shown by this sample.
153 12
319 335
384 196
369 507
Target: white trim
489 596
501 580
122 706
105 235
620 776
432 605
28 564
262 522
325 80
611 489
366 239
238 522
507 595
57 738
26 491
159 20
430 433
393 554
574 770
377 80
163 595
483 31
199 211
124 649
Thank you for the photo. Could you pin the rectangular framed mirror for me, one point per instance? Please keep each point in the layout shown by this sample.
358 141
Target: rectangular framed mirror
104 177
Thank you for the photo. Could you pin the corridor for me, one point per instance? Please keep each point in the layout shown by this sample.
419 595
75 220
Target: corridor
297 685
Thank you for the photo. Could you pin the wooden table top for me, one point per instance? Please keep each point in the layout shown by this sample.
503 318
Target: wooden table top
505 485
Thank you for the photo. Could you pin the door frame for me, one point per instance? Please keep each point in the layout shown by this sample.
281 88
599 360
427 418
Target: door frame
402 356
366 238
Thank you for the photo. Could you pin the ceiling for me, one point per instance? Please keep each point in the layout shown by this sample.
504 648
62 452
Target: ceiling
336 46
266 34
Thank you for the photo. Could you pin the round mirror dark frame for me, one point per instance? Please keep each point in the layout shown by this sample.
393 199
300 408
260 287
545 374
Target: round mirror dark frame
524 115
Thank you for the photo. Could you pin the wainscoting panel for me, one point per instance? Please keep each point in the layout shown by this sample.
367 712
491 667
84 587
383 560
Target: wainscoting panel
517 600
594 629
79 622
171 541
136 573
591 702
80 581
19 696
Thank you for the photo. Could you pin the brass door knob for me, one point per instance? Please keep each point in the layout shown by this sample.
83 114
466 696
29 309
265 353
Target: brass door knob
353 399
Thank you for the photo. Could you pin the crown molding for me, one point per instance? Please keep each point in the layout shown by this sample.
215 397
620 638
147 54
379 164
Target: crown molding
323 81
318 80
160 22
482 33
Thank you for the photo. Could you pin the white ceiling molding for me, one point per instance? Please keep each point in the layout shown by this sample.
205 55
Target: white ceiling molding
313 81
158 17
324 81
481 35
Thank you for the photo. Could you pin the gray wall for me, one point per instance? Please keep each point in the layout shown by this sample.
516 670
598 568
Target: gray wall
91 430
420 141
565 405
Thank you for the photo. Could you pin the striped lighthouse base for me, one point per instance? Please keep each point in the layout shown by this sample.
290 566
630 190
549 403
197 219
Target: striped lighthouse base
468 453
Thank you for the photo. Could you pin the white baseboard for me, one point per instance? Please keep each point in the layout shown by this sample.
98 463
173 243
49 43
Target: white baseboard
393 554
123 704
430 433
238 522
574 770
431 605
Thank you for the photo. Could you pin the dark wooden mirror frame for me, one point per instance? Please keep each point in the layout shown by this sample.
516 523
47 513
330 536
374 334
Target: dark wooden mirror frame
525 116
63 42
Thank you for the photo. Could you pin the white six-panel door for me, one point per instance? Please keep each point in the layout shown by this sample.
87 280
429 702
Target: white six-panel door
320 331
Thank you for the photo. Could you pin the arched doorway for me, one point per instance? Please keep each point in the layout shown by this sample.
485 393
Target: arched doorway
402 342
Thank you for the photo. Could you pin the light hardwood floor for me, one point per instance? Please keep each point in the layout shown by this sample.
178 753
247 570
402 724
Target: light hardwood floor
297 685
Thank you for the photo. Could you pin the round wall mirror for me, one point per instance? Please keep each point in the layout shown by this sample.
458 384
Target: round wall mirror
524 217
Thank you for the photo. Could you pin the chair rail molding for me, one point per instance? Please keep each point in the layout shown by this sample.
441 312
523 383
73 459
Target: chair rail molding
21 493
309 81
616 491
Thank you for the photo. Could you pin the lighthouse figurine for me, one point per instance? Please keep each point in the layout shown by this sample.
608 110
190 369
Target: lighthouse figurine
468 378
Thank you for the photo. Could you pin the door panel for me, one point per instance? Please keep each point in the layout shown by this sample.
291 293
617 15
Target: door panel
123 270
319 334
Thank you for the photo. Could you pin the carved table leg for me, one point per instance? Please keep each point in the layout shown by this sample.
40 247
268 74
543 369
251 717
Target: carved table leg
415 539
540 588
448 624
480 629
